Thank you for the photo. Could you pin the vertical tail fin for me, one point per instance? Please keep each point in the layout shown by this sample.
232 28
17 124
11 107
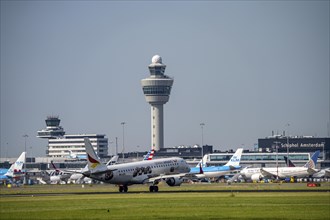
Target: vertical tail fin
202 162
287 160
236 158
113 160
312 162
149 155
55 168
17 166
94 162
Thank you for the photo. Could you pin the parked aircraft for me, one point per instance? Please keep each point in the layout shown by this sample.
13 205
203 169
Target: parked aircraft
256 174
319 174
141 172
56 176
76 156
217 171
15 170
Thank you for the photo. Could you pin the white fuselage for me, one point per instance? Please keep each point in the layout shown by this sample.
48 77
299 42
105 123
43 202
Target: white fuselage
281 172
284 172
140 172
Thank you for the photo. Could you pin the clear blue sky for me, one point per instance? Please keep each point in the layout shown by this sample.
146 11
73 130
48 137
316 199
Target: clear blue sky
244 68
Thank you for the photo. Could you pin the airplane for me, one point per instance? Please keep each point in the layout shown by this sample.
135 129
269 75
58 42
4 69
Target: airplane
56 175
15 170
140 172
79 177
76 156
323 173
256 174
201 171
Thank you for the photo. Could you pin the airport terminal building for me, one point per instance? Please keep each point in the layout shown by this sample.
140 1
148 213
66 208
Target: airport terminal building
297 144
60 144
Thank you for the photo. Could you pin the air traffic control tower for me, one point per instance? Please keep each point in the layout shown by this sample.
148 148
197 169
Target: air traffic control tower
157 89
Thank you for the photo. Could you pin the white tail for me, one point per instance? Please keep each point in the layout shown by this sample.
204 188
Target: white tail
202 162
16 167
94 162
236 158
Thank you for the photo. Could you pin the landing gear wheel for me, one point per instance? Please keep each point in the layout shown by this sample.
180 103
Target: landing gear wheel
153 188
123 189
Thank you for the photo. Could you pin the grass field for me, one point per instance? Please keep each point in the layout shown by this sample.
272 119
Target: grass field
205 201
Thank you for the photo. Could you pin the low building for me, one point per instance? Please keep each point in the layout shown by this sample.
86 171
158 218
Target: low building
61 147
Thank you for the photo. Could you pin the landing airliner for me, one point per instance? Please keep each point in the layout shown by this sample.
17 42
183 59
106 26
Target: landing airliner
141 172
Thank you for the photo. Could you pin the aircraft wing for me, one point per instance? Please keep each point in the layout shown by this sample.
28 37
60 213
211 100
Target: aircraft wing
177 176
311 171
327 173
266 173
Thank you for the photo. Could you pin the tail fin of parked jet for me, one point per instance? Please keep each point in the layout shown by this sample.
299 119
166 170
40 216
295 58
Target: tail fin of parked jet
287 160
16 168
236 158
113 160
94 162
203 161
312 162
149 155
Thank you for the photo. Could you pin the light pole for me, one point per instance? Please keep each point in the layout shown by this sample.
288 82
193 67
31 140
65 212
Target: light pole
25 137
276 146
202 127
116 146
123 124
287 144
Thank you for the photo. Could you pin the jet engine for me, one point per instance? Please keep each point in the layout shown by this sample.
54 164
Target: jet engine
256 177
174 181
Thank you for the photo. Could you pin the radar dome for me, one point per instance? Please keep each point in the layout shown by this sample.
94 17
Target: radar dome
156 59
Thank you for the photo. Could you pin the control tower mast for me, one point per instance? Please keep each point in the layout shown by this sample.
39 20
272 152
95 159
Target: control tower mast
157 89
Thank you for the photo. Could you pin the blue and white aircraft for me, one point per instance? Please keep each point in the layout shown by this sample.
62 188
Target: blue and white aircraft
199 172
14 171
216 171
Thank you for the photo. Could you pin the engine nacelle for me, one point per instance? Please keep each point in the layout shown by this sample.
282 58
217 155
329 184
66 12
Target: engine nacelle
256 177
174 181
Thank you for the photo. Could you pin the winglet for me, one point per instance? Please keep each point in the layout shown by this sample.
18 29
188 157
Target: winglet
236 158
200 169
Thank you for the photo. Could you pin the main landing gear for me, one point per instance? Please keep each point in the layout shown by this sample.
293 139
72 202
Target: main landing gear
153 188
123 188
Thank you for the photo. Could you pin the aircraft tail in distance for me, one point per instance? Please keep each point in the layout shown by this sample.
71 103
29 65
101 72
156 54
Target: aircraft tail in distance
202 162
236 158
287 160
149 155
94 162
113 160
16 167
312 162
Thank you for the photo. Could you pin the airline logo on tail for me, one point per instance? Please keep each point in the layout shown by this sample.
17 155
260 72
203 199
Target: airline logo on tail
312 162
94 162
236 158
149 155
